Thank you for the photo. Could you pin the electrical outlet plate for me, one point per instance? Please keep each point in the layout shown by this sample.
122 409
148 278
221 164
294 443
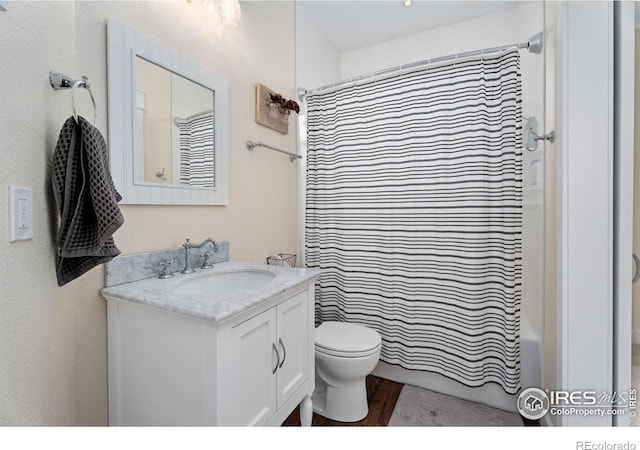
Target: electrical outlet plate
20 213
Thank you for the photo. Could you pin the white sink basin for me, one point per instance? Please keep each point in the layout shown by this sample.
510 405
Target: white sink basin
225 283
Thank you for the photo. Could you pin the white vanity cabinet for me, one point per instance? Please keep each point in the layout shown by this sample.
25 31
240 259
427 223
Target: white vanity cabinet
254 368
269 361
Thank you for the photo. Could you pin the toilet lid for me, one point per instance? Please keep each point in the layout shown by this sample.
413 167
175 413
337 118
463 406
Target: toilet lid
346 338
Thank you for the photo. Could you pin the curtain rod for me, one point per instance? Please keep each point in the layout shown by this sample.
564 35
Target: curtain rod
177 119
534 45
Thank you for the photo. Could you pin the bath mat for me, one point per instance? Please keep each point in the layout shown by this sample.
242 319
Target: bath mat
418 407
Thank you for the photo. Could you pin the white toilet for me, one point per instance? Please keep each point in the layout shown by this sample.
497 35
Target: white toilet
345 354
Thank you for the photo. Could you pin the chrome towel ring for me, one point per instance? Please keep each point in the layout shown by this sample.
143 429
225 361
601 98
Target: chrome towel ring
60 81
84 83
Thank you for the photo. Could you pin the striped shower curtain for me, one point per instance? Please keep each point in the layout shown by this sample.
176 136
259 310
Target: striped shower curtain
196 150
414 215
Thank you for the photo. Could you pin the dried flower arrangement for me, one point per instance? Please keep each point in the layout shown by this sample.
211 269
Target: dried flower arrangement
286 105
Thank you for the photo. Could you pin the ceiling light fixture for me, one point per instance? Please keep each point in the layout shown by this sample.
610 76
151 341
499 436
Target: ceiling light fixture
407 2
230 12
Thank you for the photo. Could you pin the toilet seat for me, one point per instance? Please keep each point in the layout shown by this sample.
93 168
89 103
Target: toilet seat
346 340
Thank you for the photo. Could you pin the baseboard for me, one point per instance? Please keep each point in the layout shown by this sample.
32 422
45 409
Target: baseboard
635 336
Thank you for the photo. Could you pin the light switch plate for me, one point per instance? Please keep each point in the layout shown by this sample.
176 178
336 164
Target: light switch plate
20 213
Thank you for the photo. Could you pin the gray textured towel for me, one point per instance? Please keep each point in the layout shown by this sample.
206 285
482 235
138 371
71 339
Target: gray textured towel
86 199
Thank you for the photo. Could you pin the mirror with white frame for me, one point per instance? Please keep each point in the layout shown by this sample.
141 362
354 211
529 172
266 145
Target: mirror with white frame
167 124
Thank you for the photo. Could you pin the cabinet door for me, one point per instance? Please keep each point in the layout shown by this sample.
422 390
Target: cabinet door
292 345
254 357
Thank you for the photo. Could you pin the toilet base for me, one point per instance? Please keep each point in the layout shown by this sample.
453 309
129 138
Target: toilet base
346 403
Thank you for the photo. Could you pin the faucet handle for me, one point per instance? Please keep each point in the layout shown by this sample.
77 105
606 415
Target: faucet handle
166 269
207 264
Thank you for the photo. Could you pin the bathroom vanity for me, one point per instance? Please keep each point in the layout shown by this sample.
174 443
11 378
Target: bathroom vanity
228 346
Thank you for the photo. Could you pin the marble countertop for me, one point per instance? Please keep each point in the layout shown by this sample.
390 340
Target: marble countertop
215 308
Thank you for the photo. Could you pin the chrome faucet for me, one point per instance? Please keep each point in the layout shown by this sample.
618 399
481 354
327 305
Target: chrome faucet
187 254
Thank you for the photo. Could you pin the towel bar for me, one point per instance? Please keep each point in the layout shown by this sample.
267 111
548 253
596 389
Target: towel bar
292 156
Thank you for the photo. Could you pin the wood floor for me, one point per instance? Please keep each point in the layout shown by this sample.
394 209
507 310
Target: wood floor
383 395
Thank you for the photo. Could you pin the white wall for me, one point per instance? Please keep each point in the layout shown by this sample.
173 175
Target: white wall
502 28
40 352
317 59
53 347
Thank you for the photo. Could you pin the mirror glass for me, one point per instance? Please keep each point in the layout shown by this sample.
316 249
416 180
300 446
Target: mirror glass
168 124
174 128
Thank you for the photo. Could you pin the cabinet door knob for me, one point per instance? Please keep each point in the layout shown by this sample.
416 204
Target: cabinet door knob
284 352
275 349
